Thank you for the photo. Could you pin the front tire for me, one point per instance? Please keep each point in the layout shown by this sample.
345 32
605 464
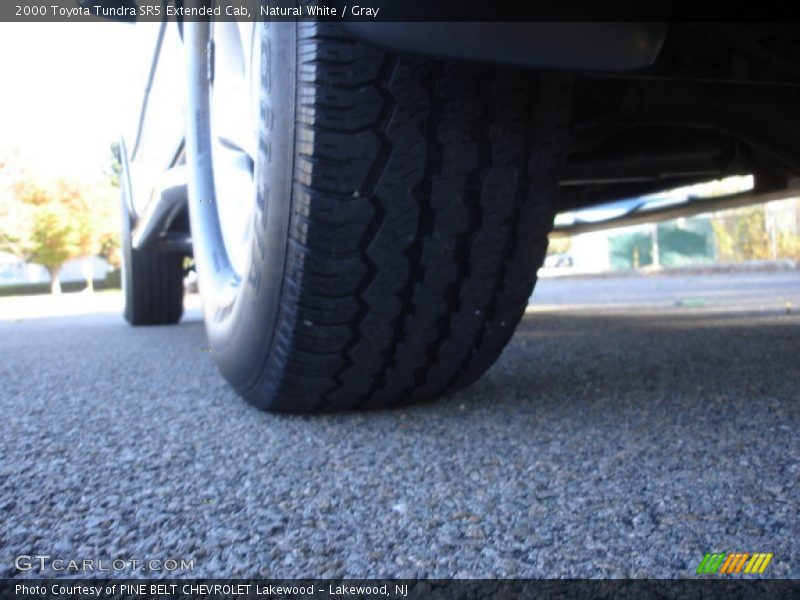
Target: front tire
401 211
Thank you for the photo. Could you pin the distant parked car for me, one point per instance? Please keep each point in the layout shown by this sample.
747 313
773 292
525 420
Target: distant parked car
557 260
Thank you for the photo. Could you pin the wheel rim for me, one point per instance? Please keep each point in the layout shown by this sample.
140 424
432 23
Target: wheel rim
233 103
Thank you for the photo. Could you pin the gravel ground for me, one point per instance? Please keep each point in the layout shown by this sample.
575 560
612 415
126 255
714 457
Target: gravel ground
633 425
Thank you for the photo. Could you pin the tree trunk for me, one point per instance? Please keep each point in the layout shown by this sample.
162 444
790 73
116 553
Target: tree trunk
88 274
55 281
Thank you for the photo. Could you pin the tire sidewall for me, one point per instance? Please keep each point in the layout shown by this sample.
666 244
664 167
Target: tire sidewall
241 312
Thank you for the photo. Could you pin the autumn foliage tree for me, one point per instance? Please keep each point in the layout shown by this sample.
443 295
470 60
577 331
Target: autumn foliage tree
742 234
50 221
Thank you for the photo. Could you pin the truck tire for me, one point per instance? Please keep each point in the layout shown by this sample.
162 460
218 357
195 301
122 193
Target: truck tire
152 281
400 213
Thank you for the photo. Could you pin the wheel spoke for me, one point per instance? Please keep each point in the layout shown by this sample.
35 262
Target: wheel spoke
234 135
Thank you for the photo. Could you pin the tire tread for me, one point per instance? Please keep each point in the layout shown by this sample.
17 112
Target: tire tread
422 199
154 292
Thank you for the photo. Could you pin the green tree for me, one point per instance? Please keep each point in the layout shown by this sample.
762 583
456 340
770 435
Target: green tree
726 245
742 235
103 201
51 222
753 236
13 170
559 244
45 225
788 245
114 166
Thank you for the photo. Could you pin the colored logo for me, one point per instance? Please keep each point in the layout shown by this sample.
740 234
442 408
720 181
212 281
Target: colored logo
734 562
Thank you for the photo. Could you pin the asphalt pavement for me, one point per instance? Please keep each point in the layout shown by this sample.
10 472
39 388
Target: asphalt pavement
633 424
